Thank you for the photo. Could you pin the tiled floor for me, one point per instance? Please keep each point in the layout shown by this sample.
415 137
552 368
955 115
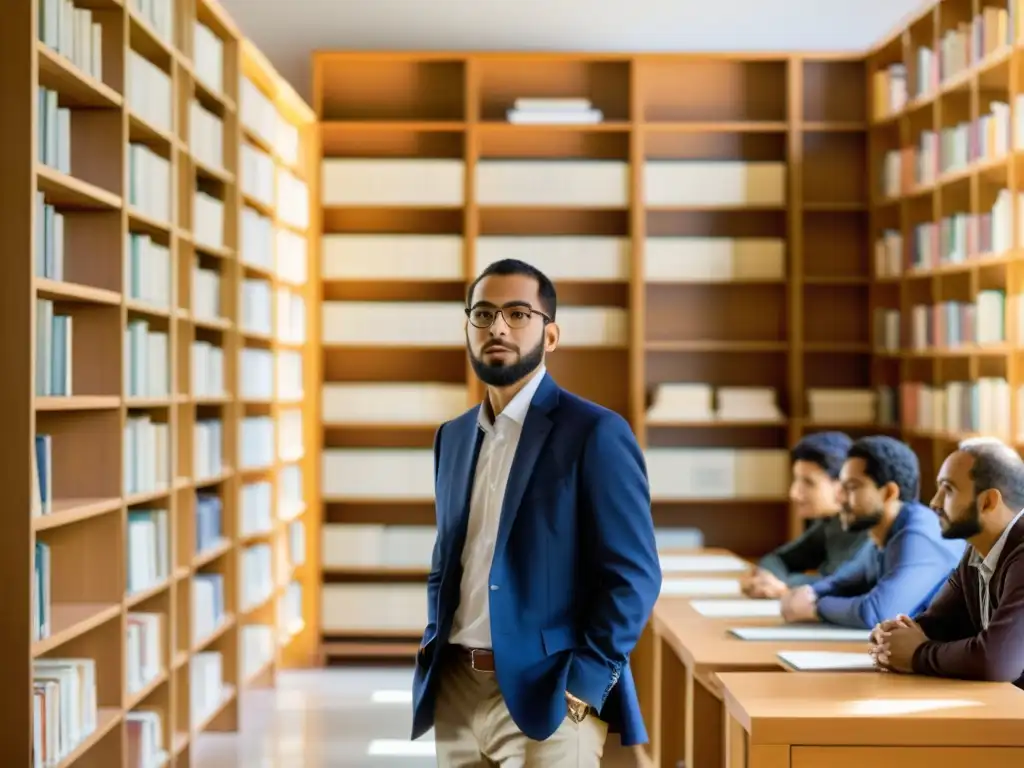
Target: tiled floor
334 718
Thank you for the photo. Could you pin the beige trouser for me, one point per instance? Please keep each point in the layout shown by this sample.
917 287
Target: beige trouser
473 728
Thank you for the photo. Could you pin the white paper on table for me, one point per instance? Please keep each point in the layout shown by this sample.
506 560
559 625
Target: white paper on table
826 661
835 634
703 564
737 608
700 587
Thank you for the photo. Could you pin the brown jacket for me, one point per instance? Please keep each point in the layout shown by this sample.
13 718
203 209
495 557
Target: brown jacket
958 647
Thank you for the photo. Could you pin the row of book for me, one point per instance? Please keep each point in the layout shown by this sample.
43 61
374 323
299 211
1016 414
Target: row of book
256 442
208 607
147 454
206 289
208 57
981 406
676 402
147 276
258 174
54 345
209 532
53 139
206 136
950 150
148 562
261 119
954 323
960 236
208 449
149 183
159 14
72 33
150 92
256 502
604 183
257 576
960 47
64 705
207 220
49 245
147 361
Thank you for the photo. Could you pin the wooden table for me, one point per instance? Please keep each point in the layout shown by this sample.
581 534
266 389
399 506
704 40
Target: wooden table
686 720
848 720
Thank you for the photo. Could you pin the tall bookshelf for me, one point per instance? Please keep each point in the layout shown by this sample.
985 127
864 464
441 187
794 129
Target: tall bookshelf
747 266
123 333
945 139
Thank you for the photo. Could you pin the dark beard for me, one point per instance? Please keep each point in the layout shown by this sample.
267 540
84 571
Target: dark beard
858 524
966 528
505 375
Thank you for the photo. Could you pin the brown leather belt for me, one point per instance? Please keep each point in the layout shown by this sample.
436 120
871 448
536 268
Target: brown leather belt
479 659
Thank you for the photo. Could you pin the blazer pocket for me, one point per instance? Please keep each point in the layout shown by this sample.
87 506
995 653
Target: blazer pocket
556 639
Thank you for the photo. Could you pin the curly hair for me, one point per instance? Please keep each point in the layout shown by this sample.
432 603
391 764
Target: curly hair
887 460
826 449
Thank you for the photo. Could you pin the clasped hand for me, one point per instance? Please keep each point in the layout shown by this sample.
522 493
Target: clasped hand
893 643
762 584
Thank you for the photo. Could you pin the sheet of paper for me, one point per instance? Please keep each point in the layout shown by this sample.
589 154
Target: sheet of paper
826 661
795 632
700 587
737 608
703 564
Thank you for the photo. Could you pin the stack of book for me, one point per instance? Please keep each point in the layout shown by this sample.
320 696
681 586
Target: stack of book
563 111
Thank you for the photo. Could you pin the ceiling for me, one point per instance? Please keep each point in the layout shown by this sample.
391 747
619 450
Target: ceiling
287 31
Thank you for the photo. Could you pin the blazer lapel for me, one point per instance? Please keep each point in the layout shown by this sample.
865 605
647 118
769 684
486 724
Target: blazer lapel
531 443
467 441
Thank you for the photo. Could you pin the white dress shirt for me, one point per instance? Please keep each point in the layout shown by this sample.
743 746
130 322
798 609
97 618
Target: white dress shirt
471 627
987 567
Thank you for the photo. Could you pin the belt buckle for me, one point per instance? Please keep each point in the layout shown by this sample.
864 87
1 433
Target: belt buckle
472 659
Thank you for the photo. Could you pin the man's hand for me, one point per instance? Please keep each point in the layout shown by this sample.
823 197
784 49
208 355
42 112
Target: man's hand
898 643
878 643
766 585
800 604
747 582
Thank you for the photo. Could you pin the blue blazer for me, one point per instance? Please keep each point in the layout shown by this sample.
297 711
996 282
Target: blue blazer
575 573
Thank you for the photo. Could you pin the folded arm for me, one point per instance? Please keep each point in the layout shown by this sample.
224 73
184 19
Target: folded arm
617 533
913 566
996 654
805 553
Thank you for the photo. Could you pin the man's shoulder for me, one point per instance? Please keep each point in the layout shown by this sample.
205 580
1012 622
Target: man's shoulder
586 412
464 419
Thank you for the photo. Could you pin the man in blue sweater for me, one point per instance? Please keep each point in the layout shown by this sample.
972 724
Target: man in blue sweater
881 482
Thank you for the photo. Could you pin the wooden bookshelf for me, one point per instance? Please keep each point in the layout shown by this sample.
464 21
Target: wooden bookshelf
977 262
804 326
122 413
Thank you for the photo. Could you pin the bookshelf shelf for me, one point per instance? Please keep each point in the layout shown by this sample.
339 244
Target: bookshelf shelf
130 318
702 283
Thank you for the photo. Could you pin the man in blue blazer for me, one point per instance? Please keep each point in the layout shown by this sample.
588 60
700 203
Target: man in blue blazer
545 568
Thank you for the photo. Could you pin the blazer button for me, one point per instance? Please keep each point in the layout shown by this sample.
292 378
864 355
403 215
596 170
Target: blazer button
494 587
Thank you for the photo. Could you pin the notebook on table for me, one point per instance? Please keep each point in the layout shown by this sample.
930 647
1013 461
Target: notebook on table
827 661
796 632
703 564
731 609
683 587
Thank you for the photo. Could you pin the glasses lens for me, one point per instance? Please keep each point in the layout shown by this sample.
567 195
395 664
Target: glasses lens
516 318
481 318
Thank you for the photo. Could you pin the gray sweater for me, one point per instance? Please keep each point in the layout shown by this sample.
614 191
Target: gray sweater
823 547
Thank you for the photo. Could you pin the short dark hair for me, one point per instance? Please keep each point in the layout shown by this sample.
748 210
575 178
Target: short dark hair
503 267
887 460
826 449
996 466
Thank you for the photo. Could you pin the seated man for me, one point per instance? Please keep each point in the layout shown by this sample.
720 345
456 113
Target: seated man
881 482
825 545
974 628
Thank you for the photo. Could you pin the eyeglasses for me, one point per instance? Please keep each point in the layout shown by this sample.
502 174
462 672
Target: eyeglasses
515 317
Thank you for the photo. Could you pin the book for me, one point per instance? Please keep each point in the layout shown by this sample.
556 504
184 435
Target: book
797 632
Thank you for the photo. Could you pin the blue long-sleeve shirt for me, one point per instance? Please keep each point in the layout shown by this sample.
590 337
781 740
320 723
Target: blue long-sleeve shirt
901 577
